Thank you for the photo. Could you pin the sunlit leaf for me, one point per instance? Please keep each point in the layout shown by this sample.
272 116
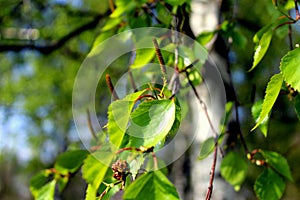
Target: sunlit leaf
118 117
111 23
269 185
123 7
262 48
278 162
256 110
47 191
234 169
272 92
94 169
143 57
175 2
205 37
38 181
151 186
289 67
70 161
150 122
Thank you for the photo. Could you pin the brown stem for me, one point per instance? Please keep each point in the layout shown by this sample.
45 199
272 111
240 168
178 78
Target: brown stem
203 105
111 87
90 125
212 174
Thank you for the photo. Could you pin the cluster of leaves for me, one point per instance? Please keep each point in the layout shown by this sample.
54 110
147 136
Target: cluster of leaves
135 130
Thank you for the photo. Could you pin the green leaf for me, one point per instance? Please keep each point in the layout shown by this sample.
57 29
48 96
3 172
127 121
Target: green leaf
38 181
269 185
206 148
175 2
289 67
297 105
151 186
150 122
272 92
205 37
234 169
163 14
277 162
123 7
143 57
111 23
62 182
262 47
256 110
47 191
94 169
118 117
70 161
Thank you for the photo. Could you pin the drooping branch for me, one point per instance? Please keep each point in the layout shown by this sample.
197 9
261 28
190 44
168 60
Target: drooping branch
47 49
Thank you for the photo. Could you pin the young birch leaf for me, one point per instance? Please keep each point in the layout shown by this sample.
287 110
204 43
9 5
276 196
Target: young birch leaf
151 186
143 57
119 116
47 191
269 185
150 122
206 148
262 48
272 92
234 169
256 110
70 161
38 181
278 162
94 169
205 37
289 67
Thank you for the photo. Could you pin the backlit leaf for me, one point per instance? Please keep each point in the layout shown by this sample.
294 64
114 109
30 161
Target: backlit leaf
150 122
256 110
272 92
262 48
289 67
234 169
94 169
118 117
47 191
205 37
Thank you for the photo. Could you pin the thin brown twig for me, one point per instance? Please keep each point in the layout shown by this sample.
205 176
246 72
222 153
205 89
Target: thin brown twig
111 5
90 125
212 173
111 87
203 105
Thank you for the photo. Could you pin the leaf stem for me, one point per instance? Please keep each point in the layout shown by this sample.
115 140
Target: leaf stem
111 87
90 125
212 173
